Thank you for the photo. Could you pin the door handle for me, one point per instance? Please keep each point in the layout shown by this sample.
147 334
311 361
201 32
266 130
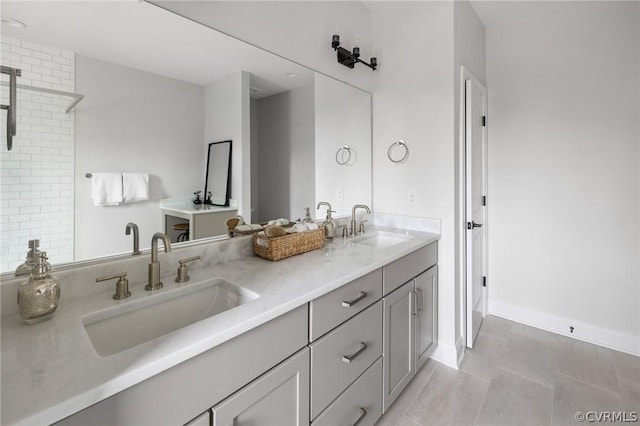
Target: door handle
472 225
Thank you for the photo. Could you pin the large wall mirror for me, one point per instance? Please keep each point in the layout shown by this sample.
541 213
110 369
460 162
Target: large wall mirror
158 89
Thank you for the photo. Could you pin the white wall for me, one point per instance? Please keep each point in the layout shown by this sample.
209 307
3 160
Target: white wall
469 51
285 158
414 100
227 117
36 191
564 170
133 121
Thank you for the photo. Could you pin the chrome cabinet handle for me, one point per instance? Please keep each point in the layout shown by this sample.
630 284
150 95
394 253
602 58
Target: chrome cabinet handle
349 358
350 303
363 413
419 300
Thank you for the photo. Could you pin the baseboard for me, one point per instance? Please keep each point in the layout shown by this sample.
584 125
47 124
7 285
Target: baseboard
461 347
446 354
582 331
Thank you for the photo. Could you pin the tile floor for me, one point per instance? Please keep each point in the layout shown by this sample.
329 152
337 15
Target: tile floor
519 375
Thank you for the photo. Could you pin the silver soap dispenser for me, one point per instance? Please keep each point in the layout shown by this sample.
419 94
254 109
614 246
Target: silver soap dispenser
26 267
329 225
38 297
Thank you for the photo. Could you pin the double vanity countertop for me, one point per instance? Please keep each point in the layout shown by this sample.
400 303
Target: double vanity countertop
51 370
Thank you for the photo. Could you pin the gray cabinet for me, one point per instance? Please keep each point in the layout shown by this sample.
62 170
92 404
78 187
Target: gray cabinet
280 397
410 318
399 342
360 404
339 357
203 419
426 309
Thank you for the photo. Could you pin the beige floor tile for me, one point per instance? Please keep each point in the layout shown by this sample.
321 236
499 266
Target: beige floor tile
529 357
450 398
627 366
587 362
496 326
513 400
397 410
481 360
630 394
573 396
406 421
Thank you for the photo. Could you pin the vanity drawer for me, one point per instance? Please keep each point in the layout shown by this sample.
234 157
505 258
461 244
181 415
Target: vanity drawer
332 309
338 358
402 270
361 403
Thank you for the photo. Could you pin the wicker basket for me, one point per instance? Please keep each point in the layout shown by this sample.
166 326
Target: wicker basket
288 245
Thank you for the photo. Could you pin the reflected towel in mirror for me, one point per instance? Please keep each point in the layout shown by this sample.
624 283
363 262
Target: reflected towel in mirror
106 189
135 186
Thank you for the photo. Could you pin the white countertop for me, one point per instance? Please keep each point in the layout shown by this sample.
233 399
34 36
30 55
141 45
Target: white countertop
50 370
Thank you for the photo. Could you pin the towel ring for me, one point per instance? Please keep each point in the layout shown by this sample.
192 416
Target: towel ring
340 155
402 144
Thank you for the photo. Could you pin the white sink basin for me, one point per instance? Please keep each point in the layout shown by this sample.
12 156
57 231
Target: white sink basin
122 327
382 239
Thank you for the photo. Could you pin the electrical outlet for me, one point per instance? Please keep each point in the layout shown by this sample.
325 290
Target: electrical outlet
340 194
412 198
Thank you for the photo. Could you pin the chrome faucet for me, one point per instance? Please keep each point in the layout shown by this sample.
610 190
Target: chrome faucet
153 282
353 216
136 238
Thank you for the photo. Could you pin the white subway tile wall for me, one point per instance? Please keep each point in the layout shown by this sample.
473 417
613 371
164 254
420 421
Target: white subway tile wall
37 175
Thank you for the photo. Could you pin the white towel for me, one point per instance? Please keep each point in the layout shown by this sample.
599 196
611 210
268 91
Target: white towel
106 189
135 186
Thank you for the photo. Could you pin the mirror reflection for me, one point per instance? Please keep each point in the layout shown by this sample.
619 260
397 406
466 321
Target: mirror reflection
218 181
158 88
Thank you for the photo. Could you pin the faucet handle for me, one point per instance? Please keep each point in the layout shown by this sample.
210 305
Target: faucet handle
183 272
361 228
122 286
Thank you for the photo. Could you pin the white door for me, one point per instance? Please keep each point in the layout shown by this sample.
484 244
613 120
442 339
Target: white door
476 154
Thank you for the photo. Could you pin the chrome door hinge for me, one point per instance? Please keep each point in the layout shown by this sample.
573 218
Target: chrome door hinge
484 200
484 121
484 281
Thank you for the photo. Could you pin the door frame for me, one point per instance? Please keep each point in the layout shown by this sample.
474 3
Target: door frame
465 75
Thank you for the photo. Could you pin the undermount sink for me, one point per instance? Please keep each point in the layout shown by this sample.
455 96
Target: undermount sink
382 239
116 329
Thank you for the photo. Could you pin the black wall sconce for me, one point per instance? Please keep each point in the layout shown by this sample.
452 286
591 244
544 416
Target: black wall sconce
350 59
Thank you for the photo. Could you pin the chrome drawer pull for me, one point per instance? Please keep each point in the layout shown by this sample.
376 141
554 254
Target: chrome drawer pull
350 303
349 358
363 413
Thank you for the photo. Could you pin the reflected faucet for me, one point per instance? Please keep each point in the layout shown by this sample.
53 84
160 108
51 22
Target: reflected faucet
136 238
153 282
353 216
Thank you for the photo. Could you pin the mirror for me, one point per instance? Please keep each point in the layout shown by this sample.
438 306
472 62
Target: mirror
158 88
217 186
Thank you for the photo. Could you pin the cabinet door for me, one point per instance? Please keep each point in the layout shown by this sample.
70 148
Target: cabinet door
399 346
203 419
426 315
279 397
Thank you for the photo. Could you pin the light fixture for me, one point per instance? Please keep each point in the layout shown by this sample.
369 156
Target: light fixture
350 59
13 23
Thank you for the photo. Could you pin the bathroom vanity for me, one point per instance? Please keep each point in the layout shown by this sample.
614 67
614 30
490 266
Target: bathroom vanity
332 336
204 220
